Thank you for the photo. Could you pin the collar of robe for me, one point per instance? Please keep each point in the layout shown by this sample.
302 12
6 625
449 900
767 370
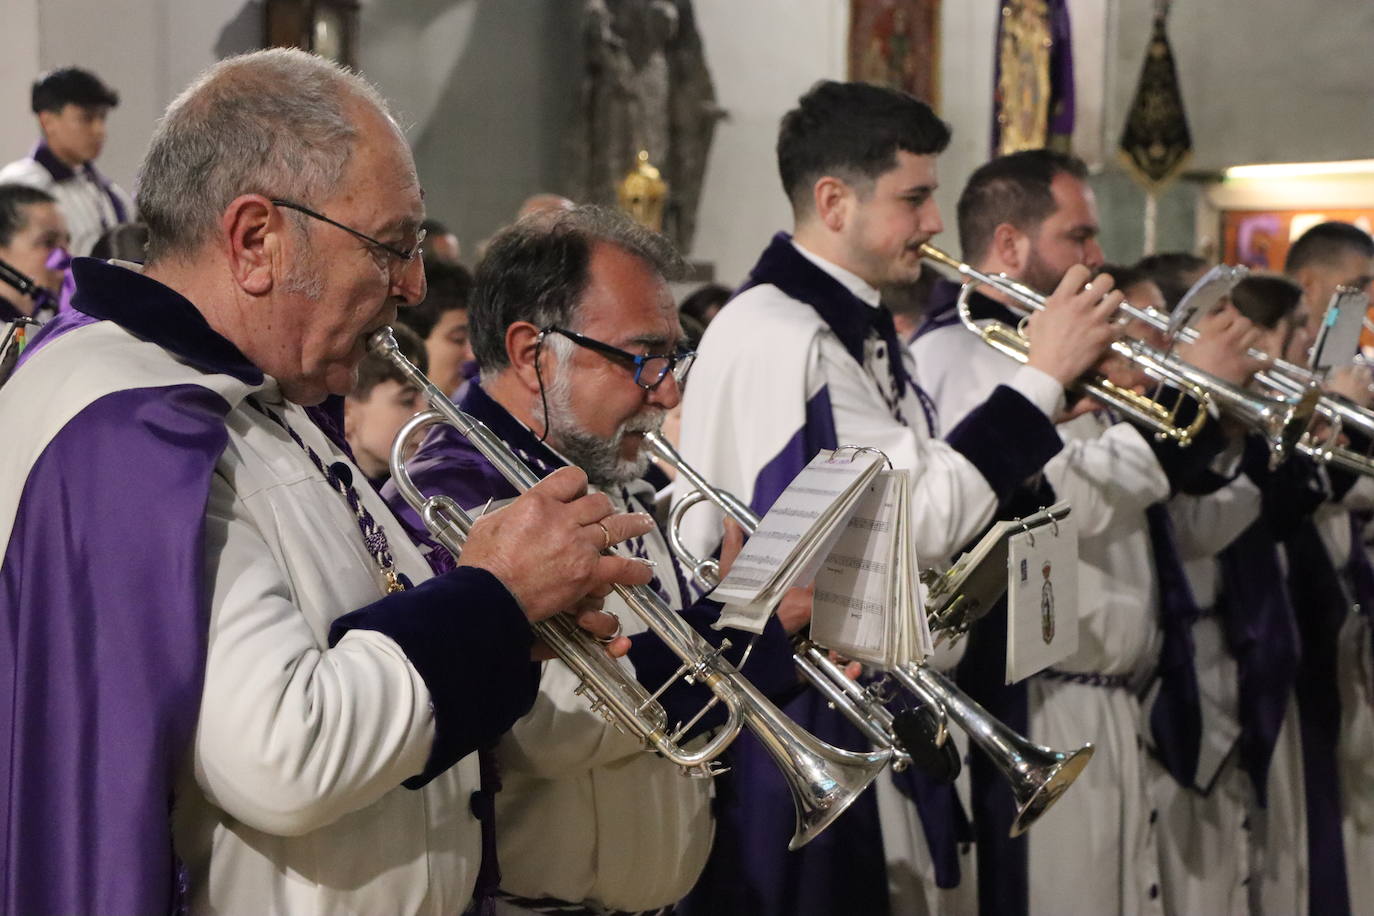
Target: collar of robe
158 314
851 318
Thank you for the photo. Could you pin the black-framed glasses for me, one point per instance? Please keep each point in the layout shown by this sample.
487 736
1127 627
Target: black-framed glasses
405 256
650 369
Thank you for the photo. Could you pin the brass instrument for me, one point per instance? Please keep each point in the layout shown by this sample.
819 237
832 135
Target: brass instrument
1038 775
824 780
1338 411
1299 384
1281 421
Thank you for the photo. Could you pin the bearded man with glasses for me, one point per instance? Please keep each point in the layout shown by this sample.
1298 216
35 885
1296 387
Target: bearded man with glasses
581 354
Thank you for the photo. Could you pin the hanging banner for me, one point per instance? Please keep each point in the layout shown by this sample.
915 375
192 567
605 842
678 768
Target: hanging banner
896 43
1033 96
1156 143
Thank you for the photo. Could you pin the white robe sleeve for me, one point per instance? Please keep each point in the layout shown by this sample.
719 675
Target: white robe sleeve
293 735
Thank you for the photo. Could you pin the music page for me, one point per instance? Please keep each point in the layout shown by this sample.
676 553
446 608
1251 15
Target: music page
793 537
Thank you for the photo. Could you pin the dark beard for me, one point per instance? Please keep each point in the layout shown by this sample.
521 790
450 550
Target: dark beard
1039 276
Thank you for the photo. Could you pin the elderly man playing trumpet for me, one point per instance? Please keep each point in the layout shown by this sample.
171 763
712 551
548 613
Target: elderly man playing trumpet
581 354
232 685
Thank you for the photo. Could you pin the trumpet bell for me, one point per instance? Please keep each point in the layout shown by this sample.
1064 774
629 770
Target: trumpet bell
825 790
1046 775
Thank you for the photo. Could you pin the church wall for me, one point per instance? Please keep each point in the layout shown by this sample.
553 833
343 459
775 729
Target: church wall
146 50
1263 81
18 64
762 56
485 88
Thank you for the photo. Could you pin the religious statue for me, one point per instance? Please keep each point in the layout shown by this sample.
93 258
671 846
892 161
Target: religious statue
645 87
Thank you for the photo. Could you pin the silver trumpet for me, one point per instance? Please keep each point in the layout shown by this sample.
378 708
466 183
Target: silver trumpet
1339 413
1282 421
824 780
1038 775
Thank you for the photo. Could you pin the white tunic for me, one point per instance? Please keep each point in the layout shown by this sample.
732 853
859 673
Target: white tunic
585 813
1204 838
292 800
759 362
1355 675
1094 852
83 202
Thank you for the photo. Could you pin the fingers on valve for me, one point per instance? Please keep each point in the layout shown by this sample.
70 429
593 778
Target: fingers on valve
623 571
626 525
565 484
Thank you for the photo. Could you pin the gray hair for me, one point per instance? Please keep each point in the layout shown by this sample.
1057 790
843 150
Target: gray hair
272 122
538 269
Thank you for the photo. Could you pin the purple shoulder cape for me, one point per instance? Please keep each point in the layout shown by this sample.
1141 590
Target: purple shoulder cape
102 652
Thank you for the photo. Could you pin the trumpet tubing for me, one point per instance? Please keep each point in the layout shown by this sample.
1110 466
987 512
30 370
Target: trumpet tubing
1282 421
1038 775
824 780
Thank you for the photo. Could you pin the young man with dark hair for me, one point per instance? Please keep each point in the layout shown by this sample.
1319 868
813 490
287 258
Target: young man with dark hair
33 241
380 404
807 358
1328 256
1019 191
441 321
1319 839
71 106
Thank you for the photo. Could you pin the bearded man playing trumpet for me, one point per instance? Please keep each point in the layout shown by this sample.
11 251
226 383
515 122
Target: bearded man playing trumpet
581 354
1031 216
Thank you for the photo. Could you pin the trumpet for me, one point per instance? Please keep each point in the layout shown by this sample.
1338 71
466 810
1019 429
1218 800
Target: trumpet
824 780
1038 775
1281 421
1339 412
1297 384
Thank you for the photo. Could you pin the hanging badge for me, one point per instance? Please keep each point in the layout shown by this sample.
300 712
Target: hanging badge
1042 598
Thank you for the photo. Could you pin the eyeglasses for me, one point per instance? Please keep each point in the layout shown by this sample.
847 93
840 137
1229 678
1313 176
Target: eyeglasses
650 369
404 256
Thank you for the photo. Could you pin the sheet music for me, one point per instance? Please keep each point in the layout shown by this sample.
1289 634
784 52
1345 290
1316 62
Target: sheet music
793 537
850 613
868 601
1204 295
1338 339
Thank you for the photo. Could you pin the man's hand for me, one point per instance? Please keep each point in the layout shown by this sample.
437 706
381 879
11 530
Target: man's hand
546 548
1068 336
1224 337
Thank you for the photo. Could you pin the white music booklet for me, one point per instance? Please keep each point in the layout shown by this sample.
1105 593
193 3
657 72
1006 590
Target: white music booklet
794 536
869 604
